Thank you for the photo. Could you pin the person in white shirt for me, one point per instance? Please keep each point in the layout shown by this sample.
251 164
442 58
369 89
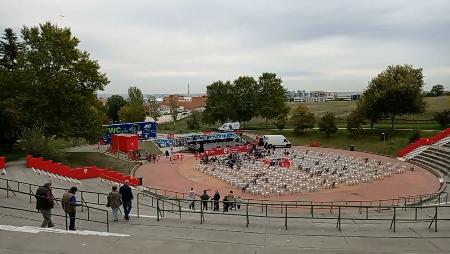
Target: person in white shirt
191 197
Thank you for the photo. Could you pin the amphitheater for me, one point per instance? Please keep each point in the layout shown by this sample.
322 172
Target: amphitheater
390 208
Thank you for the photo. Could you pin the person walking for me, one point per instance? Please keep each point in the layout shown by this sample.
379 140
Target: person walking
114 201
44 203
127 197
204 197
191 198
69 203
216 198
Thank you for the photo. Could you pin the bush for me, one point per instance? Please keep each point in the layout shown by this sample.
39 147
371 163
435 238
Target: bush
302 119
354 122
280 121
415 135
443 118
327 124
193 123
34 143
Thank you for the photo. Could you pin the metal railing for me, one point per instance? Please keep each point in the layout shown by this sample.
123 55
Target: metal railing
87 197
56 200
289 212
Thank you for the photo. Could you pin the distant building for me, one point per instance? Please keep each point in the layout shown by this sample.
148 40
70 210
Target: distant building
320 96
186 102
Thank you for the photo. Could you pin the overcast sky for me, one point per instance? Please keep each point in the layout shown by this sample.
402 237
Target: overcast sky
161 46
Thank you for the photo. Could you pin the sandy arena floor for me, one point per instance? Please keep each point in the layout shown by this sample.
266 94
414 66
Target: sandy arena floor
180 177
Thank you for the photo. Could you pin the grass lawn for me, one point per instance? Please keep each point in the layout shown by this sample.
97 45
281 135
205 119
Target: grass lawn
75 159
149 147
368 140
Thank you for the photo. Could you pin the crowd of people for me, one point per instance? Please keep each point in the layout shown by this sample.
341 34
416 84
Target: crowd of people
45 202
262 172
229 202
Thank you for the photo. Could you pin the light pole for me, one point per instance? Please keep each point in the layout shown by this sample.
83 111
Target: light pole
384 137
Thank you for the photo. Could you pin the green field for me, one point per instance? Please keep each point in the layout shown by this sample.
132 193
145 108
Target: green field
368 140
75 159
341 109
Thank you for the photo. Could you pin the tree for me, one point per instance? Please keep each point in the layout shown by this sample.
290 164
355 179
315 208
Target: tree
60 80
193 123
327 123
9 49
113 105
437 90
132 113
443 118
302 119
220 104
135 96
272 97
153 108
354 121
174 110
34 142
9 124
395 91
368 107
245 98
280 121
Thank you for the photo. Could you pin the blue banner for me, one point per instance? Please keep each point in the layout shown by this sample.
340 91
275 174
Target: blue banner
144 130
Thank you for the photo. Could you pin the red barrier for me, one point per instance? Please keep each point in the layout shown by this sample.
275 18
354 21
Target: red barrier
2 162
78 173
424 141
227 150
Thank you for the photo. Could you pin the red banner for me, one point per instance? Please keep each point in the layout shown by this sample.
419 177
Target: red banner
226 150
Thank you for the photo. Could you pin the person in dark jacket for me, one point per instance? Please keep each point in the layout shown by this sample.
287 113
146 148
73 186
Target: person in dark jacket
44 203
69 203
127 197
204 197
216 198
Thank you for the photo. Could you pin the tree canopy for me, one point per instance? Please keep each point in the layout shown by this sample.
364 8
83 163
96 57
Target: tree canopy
135 96
437 90
113 105
395 91
302 119
245 98
153 108
51 83
327 123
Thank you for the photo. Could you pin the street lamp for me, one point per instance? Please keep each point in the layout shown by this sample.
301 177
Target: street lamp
384 136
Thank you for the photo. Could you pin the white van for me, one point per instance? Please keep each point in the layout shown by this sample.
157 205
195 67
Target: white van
230 126
270 141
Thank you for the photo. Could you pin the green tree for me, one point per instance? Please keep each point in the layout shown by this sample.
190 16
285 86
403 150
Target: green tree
272 96
354 121
302 119
135 96
132 113
153 108
174 110
35 143
61 81
220 104
9 124
193 122
280 121
443 118
395 91
327 123
113 105
437 90
245 98
9 50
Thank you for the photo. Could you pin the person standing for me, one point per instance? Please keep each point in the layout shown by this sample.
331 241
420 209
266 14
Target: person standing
69 202
191 198
216 198
127 197
44 203
204 197
114 201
